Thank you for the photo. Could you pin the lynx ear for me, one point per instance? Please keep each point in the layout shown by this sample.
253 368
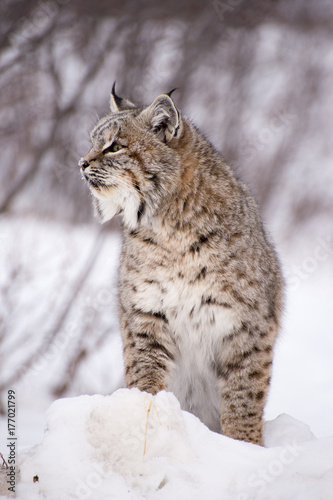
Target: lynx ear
117 103
163 117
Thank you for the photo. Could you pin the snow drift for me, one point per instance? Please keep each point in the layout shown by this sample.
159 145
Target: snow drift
132 445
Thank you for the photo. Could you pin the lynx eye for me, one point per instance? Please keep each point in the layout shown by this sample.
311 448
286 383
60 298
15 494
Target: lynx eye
113 148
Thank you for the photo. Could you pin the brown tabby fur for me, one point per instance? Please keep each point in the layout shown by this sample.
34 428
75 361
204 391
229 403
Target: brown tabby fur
200 286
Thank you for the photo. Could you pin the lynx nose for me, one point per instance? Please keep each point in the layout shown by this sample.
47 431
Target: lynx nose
83 163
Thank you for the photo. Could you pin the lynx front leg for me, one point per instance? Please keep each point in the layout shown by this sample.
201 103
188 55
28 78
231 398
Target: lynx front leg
149 351
245 376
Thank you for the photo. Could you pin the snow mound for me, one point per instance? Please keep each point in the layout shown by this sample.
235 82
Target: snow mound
285 429
133 445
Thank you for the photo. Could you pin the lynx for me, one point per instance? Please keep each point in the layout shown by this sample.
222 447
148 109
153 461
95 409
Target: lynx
200 286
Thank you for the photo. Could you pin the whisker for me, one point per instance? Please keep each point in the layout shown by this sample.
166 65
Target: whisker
113 181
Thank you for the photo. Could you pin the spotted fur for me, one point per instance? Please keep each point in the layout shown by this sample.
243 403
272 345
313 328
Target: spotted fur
200 287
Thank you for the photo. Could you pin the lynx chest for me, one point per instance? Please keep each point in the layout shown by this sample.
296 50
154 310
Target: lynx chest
196 310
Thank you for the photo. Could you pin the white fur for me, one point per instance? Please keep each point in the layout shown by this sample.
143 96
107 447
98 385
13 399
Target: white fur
198 330
117 199
199 336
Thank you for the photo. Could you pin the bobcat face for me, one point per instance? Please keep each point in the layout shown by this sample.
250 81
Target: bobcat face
133 160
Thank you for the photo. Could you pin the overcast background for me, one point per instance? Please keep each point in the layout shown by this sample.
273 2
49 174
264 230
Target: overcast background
256 77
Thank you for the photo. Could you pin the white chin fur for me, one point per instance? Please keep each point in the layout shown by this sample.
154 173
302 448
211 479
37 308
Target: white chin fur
107 205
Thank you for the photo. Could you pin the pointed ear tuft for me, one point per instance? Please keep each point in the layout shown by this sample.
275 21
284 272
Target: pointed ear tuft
117 103
171 91
163 118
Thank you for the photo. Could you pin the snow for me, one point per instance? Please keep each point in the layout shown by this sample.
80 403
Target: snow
302 370
132 445
93 446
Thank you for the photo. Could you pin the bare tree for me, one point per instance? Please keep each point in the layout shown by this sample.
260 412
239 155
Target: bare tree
55 72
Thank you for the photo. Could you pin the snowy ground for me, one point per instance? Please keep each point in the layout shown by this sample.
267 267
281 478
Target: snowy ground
94 444
132 445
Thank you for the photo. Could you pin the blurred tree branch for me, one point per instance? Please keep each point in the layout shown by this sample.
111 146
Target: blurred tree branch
54 48
60 317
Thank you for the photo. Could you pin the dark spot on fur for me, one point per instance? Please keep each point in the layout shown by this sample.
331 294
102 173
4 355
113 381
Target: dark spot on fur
159 315
154 178
202 274
151 241
208 300
260 395
238 297
212 301
153 314
246 354
230 367
129 368
155 345
218 369
160 365
141 210
195 248
142 335
203 238
241 275
253 350
256 375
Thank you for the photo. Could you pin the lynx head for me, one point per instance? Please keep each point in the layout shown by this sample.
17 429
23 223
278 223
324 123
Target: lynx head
133 164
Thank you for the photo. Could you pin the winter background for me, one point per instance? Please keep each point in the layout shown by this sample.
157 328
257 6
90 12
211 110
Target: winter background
257 79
